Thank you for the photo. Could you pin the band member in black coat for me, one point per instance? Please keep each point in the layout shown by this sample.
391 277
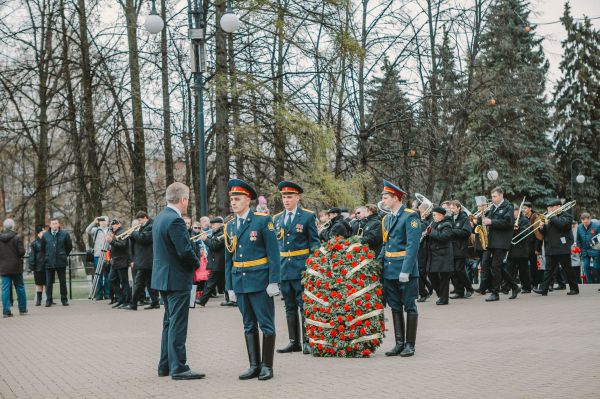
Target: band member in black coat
518 256
438 237
558 239
461 231
141 248
534 245
425 287
371 228
499 220
120 260
338 226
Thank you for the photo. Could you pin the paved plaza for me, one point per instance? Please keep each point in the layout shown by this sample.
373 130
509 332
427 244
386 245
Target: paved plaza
532 347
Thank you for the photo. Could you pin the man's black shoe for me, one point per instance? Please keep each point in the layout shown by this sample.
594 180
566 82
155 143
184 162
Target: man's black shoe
541 292
573 292
515 292
228 303
492 298
163 373
423 298
468 294
65 303
152 306
5 315
441 302
129 307
23 313
457 296
525 291
112 301
188 375
116 305
48 304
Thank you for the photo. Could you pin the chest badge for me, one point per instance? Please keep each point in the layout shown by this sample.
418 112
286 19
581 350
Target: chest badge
254 235
299 228
269 226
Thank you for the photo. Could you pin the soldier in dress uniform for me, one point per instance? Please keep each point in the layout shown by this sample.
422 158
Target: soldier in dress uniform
401 235
252 276
296 230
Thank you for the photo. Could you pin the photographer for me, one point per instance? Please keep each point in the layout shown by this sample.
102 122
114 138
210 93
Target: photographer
98 231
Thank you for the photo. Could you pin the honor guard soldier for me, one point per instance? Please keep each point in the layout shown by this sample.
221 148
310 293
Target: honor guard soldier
252 276
296 230
401 236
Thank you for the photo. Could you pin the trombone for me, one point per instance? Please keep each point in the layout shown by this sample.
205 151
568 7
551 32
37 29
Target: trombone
383 209
124 235
542 219
323 226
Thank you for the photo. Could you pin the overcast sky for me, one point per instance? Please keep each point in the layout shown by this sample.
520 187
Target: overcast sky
545 11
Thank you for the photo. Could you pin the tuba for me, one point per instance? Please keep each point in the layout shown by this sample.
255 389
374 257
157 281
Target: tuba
383 209
423 200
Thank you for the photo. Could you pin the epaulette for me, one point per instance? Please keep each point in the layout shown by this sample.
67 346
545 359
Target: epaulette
261 214
409 210
277 214
307 210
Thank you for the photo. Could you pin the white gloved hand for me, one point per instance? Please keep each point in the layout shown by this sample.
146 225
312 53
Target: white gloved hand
273 289
232 297
404 277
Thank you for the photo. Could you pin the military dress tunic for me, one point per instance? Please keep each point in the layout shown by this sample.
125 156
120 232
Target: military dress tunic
399 254
297 239
251 263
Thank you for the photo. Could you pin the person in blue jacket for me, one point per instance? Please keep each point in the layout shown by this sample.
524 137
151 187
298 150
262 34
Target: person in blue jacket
399 255
296 230
252 276
590 257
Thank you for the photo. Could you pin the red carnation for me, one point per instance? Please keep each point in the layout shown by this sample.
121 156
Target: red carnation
368 305
341 327
320 347
363 331
344 272
323 259
342 337
309 261
333 333
329 273
365 248
375 342
354 264
361 283
346 307
354 280
362 276
356 249
367 323
351 335
314 308
366 352
378 306
340 319
318 283
373 278
370 255
358 302
378 291
359 312
348 256
367 296
349 317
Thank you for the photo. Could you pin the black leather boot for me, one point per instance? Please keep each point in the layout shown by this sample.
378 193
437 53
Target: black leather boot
253 348
38 298
398 319
492 298
294 334
305 345
266 370
411 334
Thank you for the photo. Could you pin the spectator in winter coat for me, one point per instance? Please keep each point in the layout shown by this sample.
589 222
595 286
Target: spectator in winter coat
11 268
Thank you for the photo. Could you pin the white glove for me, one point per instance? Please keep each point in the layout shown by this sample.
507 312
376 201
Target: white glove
272 289
404 277
232 297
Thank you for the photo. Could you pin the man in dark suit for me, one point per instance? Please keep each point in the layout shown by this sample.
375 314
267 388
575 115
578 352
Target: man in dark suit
56 247
499 221
296 229
252 276
558 239
172 274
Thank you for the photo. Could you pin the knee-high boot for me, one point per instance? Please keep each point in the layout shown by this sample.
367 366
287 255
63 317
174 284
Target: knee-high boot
398 319
411 335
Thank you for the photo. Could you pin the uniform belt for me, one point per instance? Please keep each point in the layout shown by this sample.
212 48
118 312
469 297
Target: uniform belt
251 263
395 254
294 253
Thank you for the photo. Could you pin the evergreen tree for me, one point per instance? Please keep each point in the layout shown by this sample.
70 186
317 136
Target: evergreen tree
391 126
577 117
510 116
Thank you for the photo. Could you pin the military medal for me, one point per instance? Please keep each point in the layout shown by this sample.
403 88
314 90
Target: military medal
299 228
253 235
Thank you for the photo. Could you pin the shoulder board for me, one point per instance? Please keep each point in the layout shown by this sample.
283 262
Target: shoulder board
277 214
261 214
409 210
307 210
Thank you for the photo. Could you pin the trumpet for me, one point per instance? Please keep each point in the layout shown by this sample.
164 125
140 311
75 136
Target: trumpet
423 200
542 219
382 208
516 227
124 235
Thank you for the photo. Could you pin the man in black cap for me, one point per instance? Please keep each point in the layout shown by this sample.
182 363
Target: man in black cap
338 226
119 260
216 262
558 239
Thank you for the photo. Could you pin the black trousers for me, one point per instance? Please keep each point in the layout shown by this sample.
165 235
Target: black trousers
552 263
441 284
425 287
460 280
536 275
493 259
143 277
62 280
216 278
121 284
520 266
